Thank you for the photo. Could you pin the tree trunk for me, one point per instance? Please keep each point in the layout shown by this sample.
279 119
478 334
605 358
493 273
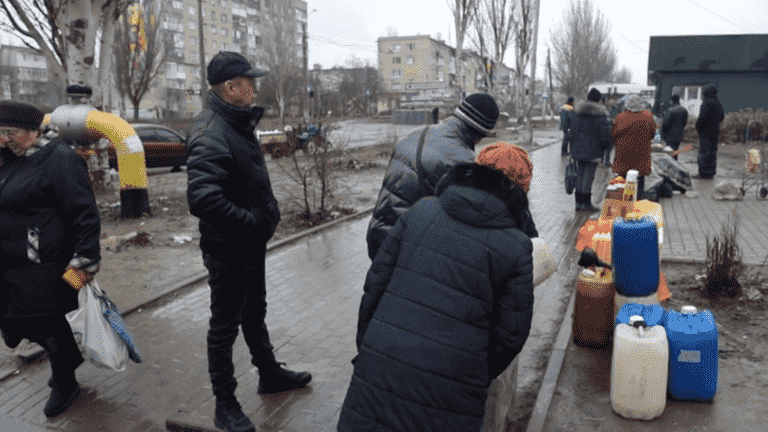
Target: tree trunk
528 139
101 88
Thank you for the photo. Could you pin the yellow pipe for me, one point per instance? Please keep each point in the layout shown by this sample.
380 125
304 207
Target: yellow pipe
77 121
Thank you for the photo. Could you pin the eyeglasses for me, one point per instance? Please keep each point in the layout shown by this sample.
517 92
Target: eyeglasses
9 131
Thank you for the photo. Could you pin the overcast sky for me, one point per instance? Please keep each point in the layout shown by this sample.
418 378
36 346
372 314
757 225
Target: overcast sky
339 29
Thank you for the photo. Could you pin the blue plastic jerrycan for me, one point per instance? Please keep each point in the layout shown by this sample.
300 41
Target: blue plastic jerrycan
652 314
693 354
635 256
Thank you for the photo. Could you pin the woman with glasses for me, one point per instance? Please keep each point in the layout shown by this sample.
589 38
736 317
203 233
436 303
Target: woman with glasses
49 224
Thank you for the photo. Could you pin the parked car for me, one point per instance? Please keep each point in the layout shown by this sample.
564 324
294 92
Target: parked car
163 146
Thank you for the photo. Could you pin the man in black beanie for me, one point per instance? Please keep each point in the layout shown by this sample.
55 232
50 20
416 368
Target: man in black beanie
422 157
590 137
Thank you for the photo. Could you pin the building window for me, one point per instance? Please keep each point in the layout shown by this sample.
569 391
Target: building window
193 40
395 60
440 76
223 31
223 3
396 48
213 29
410 46
397 86
409 59
192 25
397 73
214 45
191 10
223 17
213 15
177 4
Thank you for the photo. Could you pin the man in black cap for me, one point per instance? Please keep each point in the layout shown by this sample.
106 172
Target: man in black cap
50 225
590 137
230 191
424 156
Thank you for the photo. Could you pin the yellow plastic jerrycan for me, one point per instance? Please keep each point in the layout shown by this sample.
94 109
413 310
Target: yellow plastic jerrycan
639 370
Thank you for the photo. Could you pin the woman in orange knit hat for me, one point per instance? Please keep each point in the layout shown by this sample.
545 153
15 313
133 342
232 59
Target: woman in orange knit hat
447 302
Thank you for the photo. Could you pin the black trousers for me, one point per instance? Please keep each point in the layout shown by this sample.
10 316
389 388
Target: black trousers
53 333
238 299
707 159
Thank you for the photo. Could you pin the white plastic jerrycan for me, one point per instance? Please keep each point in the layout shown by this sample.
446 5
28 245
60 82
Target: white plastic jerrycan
639 370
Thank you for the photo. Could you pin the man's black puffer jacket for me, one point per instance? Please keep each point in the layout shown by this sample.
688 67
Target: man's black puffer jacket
445 144
447 306
228 186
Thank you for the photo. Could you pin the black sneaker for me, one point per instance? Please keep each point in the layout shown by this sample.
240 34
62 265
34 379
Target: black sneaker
60 400
588 208
230 417
282 379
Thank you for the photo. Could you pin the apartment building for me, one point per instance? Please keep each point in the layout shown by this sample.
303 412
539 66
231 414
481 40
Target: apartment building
228 25
24 76
420 72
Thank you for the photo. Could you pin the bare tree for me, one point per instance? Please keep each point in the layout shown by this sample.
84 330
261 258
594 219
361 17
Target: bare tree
138 63
494 30
624 75
523 36
281 53
582 48
463 11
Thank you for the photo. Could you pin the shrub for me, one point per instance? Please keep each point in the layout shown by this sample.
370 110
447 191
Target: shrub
734 126
724 261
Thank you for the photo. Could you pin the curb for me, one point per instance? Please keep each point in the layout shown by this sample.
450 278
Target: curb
195 279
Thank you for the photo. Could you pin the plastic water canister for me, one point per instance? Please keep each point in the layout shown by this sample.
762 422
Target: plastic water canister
693 354
652 315
593 309
621 301
635 256
639 367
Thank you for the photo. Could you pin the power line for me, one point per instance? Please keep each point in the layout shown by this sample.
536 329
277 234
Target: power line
332 42
713 13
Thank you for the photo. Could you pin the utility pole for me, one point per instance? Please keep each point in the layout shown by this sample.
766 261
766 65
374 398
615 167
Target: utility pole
304 71
201 44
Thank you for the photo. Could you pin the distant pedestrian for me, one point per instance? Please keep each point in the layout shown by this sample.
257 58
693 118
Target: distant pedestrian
435 115
451 141
590 137
50 223
566 112
632 134
230 191
673 126
708 126
448 302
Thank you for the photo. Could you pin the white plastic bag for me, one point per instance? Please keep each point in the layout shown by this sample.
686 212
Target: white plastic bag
97 340
543 261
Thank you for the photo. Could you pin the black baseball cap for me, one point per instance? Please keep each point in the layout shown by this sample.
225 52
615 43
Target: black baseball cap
227 64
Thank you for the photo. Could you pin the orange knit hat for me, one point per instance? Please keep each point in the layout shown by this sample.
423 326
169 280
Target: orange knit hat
509 159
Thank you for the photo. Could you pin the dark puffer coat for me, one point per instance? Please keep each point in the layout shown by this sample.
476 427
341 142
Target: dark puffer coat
590 131
447 306
710 115
228 183
673 127
445 144
46 200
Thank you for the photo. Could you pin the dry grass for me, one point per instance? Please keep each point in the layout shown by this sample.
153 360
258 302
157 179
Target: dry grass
723 263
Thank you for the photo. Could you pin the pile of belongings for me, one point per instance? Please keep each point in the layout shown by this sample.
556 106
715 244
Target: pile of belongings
667 175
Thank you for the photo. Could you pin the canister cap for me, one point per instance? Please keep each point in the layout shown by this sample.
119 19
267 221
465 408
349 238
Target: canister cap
688 309
632 175
636 321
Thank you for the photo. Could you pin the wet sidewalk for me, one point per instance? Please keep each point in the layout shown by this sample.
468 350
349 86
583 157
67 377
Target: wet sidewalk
314 288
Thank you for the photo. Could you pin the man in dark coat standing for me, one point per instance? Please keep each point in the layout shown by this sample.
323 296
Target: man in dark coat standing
450 142
673 127
566 112
708 126
590 137
448 303
230 191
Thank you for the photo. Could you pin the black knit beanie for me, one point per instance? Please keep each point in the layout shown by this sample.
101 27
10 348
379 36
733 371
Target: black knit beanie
479 111
594 95
21 115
